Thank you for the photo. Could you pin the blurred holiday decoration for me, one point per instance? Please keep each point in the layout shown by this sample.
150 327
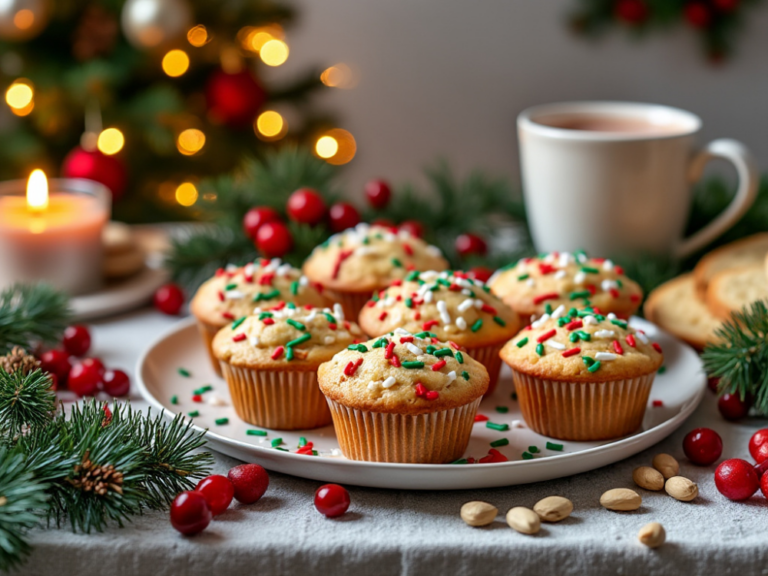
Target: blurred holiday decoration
149 97
717 22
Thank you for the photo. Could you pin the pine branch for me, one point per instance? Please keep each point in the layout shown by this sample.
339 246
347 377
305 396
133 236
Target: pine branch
31 313
26 401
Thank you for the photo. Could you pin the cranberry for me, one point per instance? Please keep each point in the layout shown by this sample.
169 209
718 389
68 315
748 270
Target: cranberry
250 481
217 491
56 362
467 244
761 468
255 217
736 479
378 193
96 363
116 383
84 379
413 227
713 383
631 11
732 407
697 14
764 485
703 446
343 215
758 445
331 500
306 206
169 299
481 273
274 239
190 513
77 340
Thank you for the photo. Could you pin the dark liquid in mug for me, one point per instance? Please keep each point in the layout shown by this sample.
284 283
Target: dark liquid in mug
613 124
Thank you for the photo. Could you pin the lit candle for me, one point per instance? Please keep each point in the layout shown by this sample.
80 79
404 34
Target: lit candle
53 237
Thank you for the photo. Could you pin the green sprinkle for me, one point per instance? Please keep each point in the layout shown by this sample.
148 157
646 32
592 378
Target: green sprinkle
595 367
295 287
498 427
174 399
291 306
301 339
413 365
434 288
276 442
297 325
587 361
264 315
289 354
662 370
444 352
193 414
465 375
500 442
573 312
443 282
314 452
331 319
302 441
527 456
375 297
586 336
231 286
184 372
555 447
431 349
540 349
256 432
425 334
574 337
366 240
533 449
562 321
499 321
619 283
413 275
237 322
460 461
522 342
460 357
477 325
580 294
203 389
381 343
396 263
523 277
409 302
590 270
358 348
502 409
619 323
221 421
548 308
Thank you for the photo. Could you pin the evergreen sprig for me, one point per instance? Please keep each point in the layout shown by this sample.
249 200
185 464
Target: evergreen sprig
741 359
25 401
30 314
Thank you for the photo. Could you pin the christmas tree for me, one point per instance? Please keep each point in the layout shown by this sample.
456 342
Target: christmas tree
149 96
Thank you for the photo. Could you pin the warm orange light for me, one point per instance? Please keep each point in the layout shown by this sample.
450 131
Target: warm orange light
338 76
253 38
110 141
186 194
23 19
37 191
274 52
190 141
336 146
270 125
326 146
198 36
175 63
20 97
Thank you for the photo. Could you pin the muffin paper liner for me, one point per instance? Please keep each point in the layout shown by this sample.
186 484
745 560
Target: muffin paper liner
432 438
583 411
489 357
351 302
208 332
282 400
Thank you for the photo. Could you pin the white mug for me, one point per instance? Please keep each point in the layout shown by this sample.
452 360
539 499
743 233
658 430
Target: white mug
619 191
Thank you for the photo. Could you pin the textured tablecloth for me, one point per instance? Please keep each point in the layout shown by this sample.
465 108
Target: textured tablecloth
420 533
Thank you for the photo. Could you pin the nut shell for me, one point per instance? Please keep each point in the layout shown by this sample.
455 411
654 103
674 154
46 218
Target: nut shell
648 478
681 488
652 535
524 520
478 513
667 465
553 508
621 499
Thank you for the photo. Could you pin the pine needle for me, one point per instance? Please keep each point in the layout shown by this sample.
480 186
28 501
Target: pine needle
30 314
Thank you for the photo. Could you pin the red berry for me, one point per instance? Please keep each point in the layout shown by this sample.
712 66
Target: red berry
343 215
56 362
761 468
116 383
95 363
631 11
378 193
732 407
697 14
84 379
736 479
218 492
306 206
190 513
713 383
468 243
255 217
703 446
331 500
274 239
764 485
726 5
413 227
77 340
169 299
250 481
481 273
758 445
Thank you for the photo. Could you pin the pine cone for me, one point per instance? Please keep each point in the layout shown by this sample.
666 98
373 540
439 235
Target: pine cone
18 359
95 35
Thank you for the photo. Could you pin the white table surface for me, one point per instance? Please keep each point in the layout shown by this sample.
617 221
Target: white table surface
414 533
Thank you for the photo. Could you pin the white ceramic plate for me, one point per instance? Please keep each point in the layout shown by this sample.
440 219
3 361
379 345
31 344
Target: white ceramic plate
679 388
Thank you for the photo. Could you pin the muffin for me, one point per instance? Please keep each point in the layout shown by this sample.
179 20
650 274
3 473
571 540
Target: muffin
535 286
353 264
403 398
453 307
582 376
235 291
270 362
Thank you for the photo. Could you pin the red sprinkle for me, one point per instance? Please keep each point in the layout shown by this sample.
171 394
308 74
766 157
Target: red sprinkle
488 309
592 289
410 267
454 287
221 295
428 324
343 255
398 282
617 347
395 361
220 272
371 303
573 325
352 367
437 365
657 403
389 351
332 326
544 297
279 306
408 249
432 395
248 277
266 279
656 347
238 337
571 352
268 321
634 297
614 293
631 340
347 325
197 398
417 315
454 345
277 352
546 268
405 339
383 316
619 270
228 315
546 336
420 390
481 418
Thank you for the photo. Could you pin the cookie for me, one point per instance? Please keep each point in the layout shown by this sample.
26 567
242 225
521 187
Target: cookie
745 252
731 290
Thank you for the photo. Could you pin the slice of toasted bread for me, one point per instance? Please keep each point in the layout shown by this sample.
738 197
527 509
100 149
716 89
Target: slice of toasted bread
675 307
744 252
731 290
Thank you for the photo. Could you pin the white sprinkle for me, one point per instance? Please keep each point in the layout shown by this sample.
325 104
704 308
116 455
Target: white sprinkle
559 311
611 316
554 344
530 282
479 303
338 311
605 356
607 284
312 315
402 332
442 308
230 268
397 317
461 324
284 270
415 350
540 321
466 292
560 274
429 296
214 400
579 278
389 382
329 340
451 376
234 295
464 306
335 452
590 321
248 269
428 275
608 265
565 259
643 338
517 424
343 334
420 358
254 341
257 310
303 281
581 258
372 385
365 251
605 334
389 237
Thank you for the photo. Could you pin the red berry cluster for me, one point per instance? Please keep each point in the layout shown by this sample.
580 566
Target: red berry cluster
737 479
83 376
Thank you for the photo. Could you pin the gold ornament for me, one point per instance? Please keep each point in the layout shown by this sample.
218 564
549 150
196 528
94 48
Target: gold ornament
155 23
23 19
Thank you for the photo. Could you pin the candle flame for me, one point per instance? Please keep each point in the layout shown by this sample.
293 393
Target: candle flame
37 191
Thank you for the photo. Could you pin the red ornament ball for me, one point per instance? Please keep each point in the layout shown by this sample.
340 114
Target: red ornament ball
56 362
77 340
331 500
413 227
255 217
190 513
93 165
234 99
169 299
703 446
306 206
343 215
468 244
736 479
732 407
631 11
274 239
378 193
250 481
116 383
481 273
84 378
217 491
758 446
697 14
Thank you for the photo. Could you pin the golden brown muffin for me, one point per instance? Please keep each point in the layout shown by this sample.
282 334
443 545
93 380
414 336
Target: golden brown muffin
353 264
582 375
450 305
234 292
403 398
534 286
270 362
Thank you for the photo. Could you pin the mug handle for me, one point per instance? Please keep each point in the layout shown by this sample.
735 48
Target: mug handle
746 193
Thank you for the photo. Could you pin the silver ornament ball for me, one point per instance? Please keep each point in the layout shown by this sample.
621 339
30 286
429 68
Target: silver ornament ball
155 23
23 19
